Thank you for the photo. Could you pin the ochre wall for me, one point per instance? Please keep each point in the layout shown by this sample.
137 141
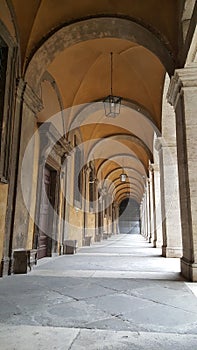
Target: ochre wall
75 225
90 225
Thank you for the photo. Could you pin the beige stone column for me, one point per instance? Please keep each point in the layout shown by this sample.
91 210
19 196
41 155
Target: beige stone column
158 238
145 216
170 209
144 224
142 218
148 219
183 96
108 218
152 204
102 201
114 218
116 208
110 231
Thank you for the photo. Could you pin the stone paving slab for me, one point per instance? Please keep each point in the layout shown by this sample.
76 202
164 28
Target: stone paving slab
65 304
102 303
59 338
174 276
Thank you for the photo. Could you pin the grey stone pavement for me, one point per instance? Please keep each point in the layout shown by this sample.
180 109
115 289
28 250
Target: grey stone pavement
117 294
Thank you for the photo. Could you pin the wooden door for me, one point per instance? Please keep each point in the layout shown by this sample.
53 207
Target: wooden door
44 234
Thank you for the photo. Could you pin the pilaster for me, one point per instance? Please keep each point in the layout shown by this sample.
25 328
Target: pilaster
30 105
158 237
148 227
182 95
152 204
170 204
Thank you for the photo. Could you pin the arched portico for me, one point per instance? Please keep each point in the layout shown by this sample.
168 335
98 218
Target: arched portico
65 73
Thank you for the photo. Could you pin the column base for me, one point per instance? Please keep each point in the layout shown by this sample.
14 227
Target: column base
20 260
97 238
1 268
6 266
189 270
157 244
172 252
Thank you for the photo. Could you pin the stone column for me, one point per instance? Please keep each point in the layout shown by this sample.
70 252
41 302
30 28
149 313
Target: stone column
183 96
102 202
148 210
117 217
110 216
86 174
144 231
142 218
152 204
158 238
172 242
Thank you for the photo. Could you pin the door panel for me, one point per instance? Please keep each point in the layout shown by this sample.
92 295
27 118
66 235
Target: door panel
44 216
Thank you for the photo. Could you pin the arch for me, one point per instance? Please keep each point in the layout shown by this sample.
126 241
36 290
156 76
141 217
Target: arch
119 137
123 196
118 156
117 179
87 29
121 190
132 116
88 109
130 184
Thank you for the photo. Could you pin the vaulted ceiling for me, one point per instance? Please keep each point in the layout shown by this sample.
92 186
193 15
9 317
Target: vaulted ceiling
81 69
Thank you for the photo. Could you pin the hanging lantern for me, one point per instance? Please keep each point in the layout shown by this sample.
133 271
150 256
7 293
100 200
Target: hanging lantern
112 106
112 103
123 177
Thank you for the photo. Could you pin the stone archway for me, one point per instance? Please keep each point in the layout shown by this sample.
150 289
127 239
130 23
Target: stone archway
104 27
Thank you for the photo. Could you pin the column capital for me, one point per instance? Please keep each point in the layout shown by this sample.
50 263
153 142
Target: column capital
32 100
150 168
28 96
154 167
184 78
160 143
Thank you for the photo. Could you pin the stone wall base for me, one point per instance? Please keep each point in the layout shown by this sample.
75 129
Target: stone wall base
97 238
6 265
172 252
189 270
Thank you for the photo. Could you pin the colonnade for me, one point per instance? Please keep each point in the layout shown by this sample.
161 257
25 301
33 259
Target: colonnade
169 204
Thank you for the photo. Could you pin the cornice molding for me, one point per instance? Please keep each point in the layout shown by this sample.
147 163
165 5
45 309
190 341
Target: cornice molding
185 78
28 96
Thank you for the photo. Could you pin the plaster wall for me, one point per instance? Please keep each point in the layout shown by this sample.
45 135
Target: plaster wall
90 225
75 225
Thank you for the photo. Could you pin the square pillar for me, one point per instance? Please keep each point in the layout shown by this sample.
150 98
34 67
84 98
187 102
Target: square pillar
170 209
158 237
183 96
152 205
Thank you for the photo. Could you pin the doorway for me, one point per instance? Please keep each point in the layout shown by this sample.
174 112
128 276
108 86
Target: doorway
46 214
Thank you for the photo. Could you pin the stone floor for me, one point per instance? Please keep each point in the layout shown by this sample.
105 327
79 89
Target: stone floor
117 294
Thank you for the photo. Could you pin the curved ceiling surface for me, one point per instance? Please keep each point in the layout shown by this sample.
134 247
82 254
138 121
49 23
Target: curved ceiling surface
82 75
